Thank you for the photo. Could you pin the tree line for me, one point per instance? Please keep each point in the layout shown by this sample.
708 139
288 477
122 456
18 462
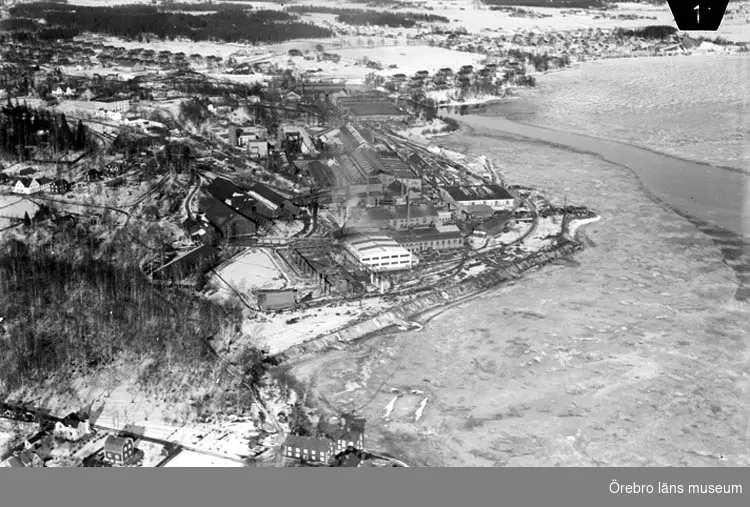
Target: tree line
362 17
22 127
562 4
80 309
657 32
130 21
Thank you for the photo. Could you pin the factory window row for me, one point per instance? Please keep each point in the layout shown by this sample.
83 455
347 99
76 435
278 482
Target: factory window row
384 257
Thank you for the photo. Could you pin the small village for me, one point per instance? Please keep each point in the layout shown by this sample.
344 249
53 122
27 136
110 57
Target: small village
305 186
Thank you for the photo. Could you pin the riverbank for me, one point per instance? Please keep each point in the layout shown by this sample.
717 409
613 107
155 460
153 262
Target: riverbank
446 294
526 373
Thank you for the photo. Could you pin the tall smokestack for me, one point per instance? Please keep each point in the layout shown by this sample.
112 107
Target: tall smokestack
408 211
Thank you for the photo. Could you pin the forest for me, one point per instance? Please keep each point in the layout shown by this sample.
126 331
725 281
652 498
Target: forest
657 32
562 4
22 127
362 17
131 21
70 308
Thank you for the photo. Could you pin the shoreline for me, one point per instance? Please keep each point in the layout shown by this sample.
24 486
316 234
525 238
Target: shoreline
736 170
720 236
439 299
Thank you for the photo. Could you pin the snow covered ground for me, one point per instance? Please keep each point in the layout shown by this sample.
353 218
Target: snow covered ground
13 206
254 269
280 331
10 430
189 459
545 227
411 59
423 130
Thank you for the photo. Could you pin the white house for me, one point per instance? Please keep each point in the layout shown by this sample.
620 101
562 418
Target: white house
72 428
30 186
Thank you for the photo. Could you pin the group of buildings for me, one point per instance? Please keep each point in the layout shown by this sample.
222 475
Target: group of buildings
39 451
229 212
333 437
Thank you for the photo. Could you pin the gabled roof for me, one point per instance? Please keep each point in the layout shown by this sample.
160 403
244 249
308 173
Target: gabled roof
72 420
309 443
478 193
115 444
223 189
268 194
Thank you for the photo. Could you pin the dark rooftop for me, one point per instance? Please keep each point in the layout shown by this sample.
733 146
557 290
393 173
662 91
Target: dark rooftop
375 109
478 193
428 234
383 214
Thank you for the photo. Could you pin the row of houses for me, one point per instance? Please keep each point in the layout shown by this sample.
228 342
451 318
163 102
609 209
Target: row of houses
333 438
116 451
29 186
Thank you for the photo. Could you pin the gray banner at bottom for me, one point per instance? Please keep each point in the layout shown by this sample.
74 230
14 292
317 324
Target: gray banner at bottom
409 487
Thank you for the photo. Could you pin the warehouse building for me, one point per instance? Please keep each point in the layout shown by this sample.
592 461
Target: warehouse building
440 237
494 196
379 253
397 217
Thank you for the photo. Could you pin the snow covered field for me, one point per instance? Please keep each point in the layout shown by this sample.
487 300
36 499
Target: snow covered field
189 459
411 59
278 333
13 206
254 269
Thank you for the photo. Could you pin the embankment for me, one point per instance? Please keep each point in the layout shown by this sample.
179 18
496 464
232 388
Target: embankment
441 295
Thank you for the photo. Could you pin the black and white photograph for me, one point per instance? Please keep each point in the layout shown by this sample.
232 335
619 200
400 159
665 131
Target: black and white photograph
375 233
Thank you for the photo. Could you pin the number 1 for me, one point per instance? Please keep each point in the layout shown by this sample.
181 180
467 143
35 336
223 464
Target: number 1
698 13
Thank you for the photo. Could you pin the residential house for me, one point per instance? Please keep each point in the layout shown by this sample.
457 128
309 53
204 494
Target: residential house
60 186
119 450
24 459
72 428
273 300
93 175
309 449
30 186
346 433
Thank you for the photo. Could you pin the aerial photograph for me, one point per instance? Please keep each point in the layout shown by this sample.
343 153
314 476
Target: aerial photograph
373 233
